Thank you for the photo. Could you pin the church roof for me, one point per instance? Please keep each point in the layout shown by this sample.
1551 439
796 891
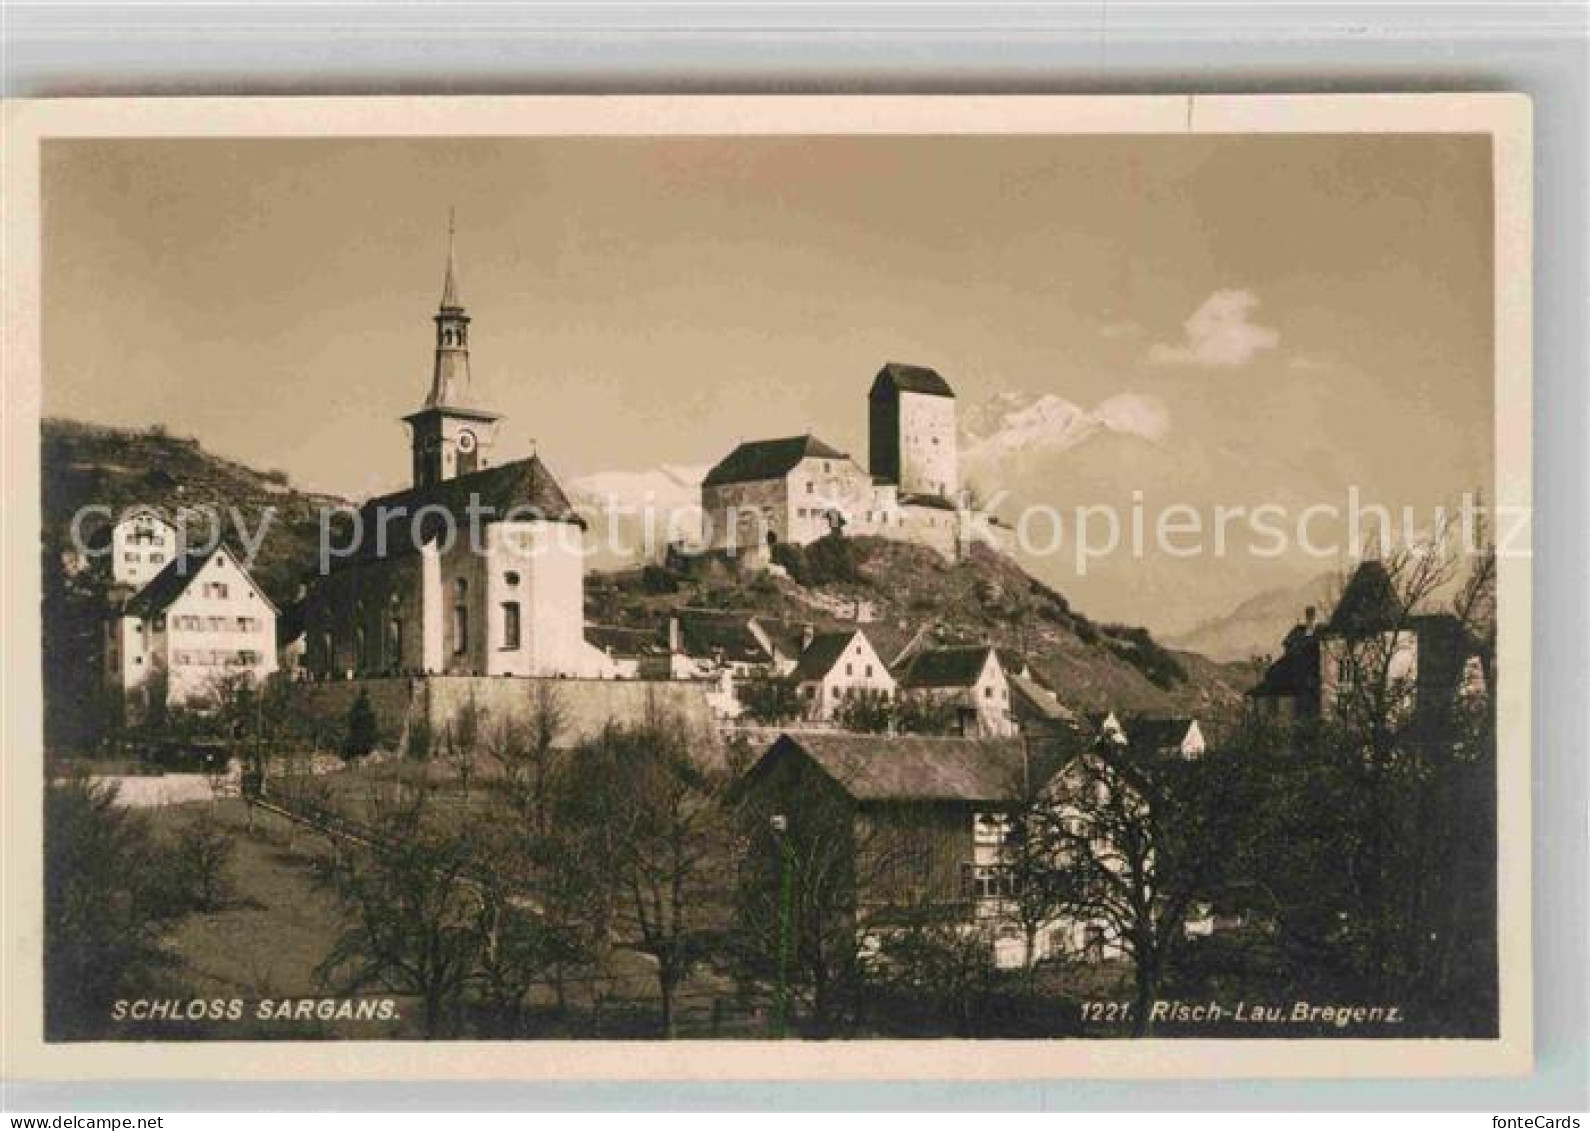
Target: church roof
768 459
521 491
912 379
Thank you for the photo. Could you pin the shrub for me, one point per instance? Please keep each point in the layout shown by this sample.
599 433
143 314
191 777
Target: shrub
361 735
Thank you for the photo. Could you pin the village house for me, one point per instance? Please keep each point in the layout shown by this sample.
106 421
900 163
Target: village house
1037 711
927 822
474 569
142 544
634 653
1419 664
969 679
837 666
798 489
1169 736
200 619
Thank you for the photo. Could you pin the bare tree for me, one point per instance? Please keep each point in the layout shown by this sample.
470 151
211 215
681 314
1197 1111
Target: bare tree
417 921
1133 840
649 807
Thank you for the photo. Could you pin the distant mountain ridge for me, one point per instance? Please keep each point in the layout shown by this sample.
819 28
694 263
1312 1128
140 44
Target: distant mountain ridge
1257 625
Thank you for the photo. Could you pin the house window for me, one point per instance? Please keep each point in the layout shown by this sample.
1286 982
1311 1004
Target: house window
460 630
869 671
811 487
160 624
510 625
849 669
986 881
156 559
988 692
130 557
511 578
394 642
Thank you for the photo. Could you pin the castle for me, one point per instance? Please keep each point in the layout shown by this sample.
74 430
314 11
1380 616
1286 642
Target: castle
798 489
475 569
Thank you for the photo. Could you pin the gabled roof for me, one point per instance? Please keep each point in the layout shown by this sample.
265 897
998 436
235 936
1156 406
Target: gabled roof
768 459
172 581
903 378
1156 733
916 768
1368 604
1043 702
786 636
620 641
726 635
823 653
945 667
520 491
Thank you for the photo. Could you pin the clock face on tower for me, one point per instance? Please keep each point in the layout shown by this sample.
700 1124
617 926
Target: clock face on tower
466 442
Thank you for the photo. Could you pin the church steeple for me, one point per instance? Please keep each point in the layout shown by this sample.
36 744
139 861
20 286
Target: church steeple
450 436
450 378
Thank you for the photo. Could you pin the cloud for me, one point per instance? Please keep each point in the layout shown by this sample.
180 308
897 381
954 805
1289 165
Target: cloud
1015 426
1219 334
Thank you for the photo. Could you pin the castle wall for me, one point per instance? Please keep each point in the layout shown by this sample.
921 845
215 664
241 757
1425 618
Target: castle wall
587 705
742 514
928 464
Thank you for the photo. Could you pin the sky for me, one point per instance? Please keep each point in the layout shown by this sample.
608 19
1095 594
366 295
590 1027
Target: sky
1209 320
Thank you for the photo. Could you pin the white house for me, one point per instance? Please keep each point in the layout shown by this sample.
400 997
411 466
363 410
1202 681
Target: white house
970 679
141 545
1173 736
837 666
200 618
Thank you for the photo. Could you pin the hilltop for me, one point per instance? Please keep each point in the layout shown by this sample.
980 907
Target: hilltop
899 589
896 590
93 465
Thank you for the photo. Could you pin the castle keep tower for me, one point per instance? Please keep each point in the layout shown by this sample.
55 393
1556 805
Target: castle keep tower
912 428
449 435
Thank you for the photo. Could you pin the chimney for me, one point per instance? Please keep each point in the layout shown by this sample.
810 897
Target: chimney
675 644
1310 615
808 634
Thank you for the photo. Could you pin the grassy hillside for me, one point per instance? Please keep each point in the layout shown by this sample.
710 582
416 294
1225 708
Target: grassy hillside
906 588
86 465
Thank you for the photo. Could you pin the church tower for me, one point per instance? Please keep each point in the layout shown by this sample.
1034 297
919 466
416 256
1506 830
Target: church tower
449 435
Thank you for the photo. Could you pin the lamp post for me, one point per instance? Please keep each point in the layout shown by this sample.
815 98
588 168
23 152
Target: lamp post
786 913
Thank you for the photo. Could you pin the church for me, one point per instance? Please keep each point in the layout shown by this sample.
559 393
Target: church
476 568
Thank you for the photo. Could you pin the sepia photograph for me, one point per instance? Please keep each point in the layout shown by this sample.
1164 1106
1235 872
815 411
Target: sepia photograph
838 587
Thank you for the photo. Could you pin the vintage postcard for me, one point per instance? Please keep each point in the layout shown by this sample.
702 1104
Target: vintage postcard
653 587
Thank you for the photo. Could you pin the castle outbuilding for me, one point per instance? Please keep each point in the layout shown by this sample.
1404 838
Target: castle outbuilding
475 569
